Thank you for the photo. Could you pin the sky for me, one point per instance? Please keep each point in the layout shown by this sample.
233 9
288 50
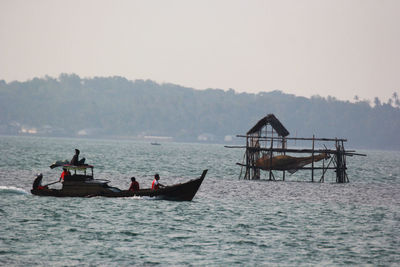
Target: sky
339 48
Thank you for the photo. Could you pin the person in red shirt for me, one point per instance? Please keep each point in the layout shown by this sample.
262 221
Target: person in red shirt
64 174
156 185
134 185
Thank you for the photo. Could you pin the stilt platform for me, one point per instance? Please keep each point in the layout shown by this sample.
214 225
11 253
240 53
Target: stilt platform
266 150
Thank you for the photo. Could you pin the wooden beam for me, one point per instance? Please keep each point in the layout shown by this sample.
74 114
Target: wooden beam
294 138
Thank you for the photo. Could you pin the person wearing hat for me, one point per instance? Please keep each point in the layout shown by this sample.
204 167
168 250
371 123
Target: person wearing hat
156 185
75 159
134 185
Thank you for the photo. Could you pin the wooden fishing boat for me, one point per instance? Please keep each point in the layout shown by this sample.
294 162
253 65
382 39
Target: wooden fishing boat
84 185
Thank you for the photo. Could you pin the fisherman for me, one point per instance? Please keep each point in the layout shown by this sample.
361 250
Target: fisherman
75 159
156 185
37 184
64 174
134 185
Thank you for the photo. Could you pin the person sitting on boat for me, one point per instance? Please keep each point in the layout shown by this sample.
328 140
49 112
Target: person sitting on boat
75 159
37 184
134 185
64 174
156 185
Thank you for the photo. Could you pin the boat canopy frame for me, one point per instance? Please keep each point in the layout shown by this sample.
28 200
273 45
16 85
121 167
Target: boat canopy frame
75 168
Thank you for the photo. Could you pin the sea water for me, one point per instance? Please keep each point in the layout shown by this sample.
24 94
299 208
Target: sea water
229 222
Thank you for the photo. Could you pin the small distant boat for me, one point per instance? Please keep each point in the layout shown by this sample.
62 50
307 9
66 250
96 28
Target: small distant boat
84 185
155 144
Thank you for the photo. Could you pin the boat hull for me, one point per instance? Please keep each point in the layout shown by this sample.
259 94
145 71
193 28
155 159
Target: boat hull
178 192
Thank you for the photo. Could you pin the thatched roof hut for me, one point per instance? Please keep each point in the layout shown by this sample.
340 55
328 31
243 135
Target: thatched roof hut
271 120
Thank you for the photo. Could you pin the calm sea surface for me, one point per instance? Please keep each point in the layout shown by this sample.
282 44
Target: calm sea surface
229 222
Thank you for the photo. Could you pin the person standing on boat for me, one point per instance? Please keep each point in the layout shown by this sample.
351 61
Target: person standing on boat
64 174
75 159
134 185
156 185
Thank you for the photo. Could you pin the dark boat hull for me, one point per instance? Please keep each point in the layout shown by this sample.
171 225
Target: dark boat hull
179 192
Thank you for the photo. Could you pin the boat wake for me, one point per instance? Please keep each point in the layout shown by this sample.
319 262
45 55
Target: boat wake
144 197
141 197
12 190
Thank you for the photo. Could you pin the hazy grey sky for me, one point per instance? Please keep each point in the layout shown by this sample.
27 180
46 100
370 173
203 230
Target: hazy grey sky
340 48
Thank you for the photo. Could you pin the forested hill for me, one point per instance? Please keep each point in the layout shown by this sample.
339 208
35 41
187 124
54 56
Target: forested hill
116 107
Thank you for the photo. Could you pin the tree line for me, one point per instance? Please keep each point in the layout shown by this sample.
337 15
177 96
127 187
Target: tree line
115 107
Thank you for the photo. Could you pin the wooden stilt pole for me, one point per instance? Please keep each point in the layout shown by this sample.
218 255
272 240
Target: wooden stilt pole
284 153
270 163
323 172
312 163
